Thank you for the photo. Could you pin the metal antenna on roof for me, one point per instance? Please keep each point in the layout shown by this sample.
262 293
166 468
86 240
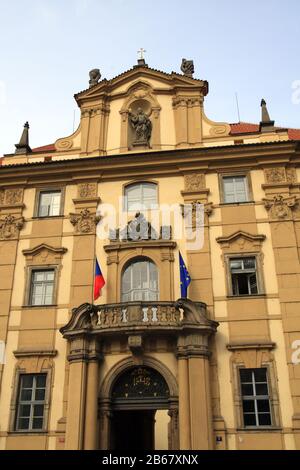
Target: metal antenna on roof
74 116
237 106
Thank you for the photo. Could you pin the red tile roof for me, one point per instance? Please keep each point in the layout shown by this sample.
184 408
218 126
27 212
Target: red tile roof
243 128
45 148
294 134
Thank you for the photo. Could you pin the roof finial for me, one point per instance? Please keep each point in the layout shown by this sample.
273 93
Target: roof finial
266 125
141 58
23 146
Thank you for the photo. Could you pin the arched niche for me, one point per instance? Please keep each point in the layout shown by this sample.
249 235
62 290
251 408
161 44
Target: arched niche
140 95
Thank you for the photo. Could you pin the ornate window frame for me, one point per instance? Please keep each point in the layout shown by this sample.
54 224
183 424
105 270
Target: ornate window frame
32 362
42 257
242 245
254 356
160 252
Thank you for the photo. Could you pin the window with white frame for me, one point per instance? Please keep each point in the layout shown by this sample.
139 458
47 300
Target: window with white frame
255 397
235 189
49 203
139 196
140 281
31 402
244 279
42 287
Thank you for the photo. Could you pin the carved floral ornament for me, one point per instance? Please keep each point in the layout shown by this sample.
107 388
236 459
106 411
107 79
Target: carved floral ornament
11 196
85 221
280 175
280 207
194 182
10 226
87 190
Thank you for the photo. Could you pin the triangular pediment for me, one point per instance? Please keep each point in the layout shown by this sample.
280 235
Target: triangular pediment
171 80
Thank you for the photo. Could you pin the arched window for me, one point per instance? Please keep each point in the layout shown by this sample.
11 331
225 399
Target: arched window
140 281
139 196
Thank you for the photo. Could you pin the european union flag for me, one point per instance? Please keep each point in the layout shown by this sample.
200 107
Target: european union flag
185 278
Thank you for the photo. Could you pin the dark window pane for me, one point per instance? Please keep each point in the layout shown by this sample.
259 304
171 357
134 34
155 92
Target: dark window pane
261 389
246 375
253 284
249 420
41 381
263 406
260 375
37 423
23 423
24 411
27 381
264 419
40 394
247 389
248 406
240 281
249 263
38 411
26 395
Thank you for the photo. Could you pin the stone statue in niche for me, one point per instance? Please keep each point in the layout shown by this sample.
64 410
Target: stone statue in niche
95 76
142 127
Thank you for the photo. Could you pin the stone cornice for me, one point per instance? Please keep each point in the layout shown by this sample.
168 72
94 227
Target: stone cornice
154 162
255 345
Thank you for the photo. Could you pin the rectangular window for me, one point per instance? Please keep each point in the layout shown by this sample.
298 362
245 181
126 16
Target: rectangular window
140 196
255 397
31 402
49 203
243 276
42 287
235 189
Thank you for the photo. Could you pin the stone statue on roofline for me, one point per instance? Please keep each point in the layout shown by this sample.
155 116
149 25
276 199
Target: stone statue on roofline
95 77
187 67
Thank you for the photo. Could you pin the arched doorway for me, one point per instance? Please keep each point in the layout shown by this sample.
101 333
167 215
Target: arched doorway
141 411
137 395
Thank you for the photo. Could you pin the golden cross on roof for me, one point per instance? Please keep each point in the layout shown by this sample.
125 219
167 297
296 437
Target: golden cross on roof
141 51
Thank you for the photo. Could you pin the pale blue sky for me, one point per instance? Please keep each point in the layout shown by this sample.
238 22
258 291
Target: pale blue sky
49 46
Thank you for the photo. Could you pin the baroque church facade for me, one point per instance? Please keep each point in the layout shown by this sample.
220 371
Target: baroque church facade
142 367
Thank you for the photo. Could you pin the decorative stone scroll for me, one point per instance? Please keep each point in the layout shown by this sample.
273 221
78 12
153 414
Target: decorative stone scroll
85 221
10 227
193 214
281 207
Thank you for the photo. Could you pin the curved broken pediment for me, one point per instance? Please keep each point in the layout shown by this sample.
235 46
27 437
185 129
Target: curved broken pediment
241 240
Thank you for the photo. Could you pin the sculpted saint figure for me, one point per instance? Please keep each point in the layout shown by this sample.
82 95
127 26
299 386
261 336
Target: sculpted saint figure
142 126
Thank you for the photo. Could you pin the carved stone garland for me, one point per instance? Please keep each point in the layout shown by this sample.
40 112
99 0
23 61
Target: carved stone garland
84 222
10 227
280 207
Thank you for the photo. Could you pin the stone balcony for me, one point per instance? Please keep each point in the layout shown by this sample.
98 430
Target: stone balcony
139 317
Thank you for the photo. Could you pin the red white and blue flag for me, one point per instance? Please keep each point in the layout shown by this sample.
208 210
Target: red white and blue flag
99 281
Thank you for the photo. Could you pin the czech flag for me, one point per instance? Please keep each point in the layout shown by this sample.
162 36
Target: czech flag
99 281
